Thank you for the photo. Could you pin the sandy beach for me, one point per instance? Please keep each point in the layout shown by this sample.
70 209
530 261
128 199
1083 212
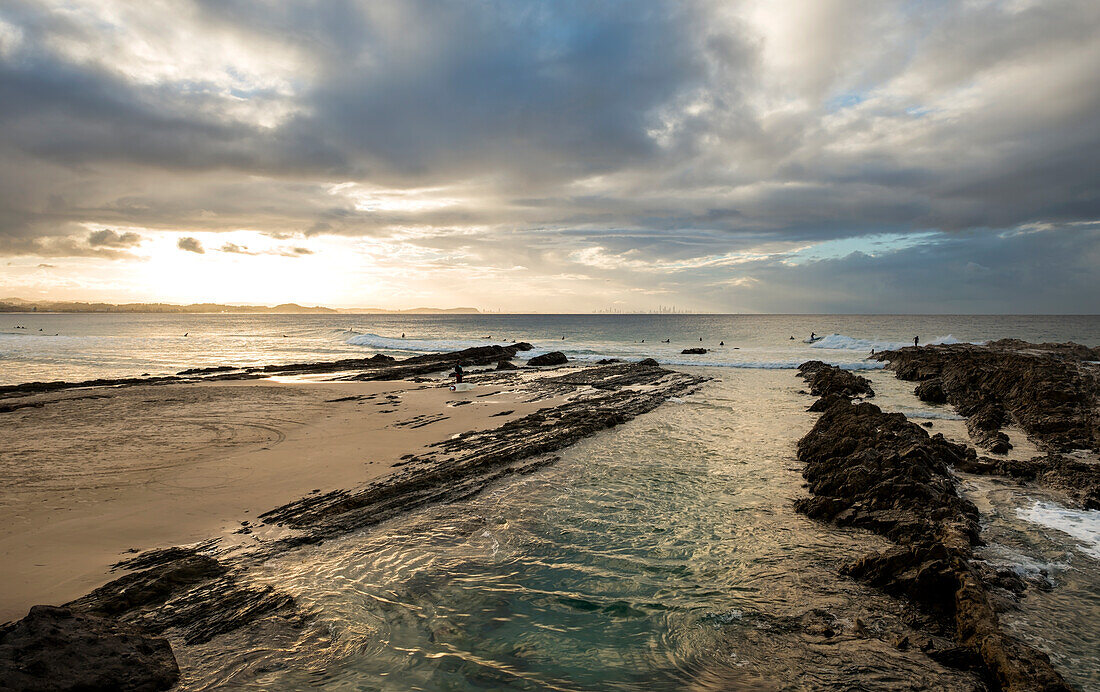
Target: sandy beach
94 474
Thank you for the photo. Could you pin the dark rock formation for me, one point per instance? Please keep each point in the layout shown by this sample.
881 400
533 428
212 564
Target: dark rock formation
880 472
208 371
649 363
1050 390
826 380
62 649
462 466
197 596
552 358
694 351
985 429
377 367
505 364
151 586
1080 480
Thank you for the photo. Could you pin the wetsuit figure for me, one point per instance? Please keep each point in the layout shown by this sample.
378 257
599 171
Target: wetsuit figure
458 373
813 336
916 341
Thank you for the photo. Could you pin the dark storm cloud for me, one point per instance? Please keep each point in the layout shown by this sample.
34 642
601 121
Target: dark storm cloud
189 244
109 238
640 138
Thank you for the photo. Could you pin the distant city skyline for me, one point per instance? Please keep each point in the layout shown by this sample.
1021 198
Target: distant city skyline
792 156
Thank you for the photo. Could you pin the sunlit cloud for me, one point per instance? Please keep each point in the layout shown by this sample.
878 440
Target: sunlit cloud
712 154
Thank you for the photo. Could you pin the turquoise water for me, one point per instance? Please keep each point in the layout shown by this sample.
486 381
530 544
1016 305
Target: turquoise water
661 555
75 346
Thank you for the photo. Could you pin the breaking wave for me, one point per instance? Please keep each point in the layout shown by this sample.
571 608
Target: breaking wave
1081 524
850 343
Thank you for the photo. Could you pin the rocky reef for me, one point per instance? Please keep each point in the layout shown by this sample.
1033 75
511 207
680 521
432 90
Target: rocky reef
878 471
111 638
66 649
829 380
1051 390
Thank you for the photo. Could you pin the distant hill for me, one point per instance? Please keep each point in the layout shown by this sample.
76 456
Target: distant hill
411 311
20 305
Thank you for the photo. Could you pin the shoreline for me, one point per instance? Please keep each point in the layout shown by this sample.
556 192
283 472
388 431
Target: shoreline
868 470
427 444
882 473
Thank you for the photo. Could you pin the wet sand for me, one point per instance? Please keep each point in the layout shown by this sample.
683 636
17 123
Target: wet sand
93 474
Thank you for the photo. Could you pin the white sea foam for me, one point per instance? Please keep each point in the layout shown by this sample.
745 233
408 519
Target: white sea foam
1023 565
851 343
1081 524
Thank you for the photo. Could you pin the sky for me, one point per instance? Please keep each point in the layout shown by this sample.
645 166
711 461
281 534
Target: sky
862 156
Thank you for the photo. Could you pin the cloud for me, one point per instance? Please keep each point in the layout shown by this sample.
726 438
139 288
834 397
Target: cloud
234 248
691 136
190 245
109 238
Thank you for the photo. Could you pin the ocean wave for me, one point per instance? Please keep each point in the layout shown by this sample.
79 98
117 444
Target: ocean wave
850 343
1081 524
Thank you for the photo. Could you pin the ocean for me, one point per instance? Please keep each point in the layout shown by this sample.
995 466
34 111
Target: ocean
35 347
663 554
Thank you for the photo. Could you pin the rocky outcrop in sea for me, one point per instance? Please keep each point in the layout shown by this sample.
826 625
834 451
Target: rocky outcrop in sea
878 471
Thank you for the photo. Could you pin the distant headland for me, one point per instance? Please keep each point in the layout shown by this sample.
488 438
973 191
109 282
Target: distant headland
20 305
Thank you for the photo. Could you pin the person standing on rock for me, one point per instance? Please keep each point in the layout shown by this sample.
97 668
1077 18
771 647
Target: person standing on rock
916 341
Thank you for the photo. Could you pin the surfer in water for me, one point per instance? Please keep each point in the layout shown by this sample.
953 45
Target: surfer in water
813 336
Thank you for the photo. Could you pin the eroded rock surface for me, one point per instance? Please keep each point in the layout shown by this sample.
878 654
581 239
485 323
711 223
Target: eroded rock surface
194 594
829 380
552 358
64 649
461 466
880 472
1051 390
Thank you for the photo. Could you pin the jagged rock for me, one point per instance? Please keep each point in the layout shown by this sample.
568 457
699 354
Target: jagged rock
931 391
58 649
506 365
552 358
522 346
1080 480
649 362
208 371
829 379
151 586
1046 388
607 361
693 351
463 465
880 472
